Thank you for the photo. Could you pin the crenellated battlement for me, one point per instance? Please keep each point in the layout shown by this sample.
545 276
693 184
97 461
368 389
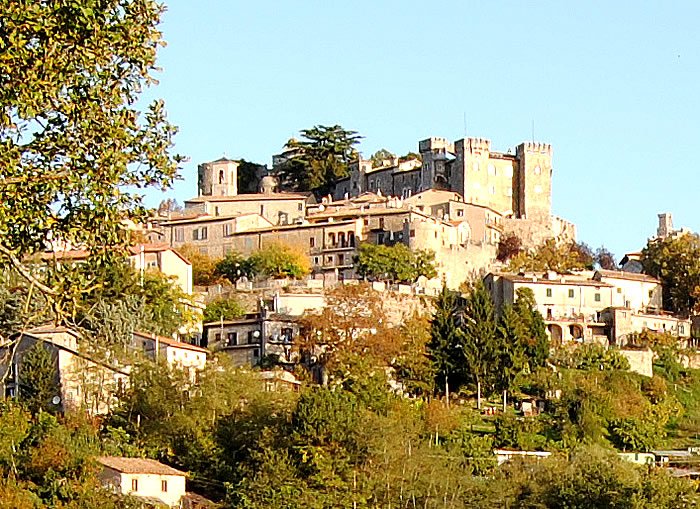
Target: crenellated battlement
534 146
431 144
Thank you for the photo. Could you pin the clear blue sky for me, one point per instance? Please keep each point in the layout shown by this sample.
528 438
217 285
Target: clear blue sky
613 86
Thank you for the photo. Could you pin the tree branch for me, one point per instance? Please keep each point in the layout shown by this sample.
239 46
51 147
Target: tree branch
26 274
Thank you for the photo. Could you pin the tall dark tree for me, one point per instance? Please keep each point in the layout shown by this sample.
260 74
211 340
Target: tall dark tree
509 355
478 336
320 159
444 348
534 334
38 381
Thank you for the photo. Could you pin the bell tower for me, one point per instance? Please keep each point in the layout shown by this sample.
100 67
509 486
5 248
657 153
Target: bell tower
218 178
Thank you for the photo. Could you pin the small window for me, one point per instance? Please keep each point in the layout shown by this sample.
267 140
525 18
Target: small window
597 297
164 485
571 294
412 233
217 337
312 242
232 338
134 485
460 212
549 292
538 170
381 222
651 292
300 207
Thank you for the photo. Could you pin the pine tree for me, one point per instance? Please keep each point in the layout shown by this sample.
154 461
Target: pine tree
443 347
535 340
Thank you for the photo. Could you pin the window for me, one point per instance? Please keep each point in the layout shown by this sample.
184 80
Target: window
262 210
329 259
331 239
597 297
217 338
412 233
179 234
228 229
256 353
316 260
312 242
537 170
340 259
199 233
300 207
651 292
134 485
475 165
287 333
460 212
571 294
232 338
163 485
221 176
216 211
492 169
538 189
252 338
549 292
509 172
381 222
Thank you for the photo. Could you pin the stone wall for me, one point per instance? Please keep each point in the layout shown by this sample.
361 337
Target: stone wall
641 361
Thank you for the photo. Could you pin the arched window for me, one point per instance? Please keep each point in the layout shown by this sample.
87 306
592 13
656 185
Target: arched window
221 176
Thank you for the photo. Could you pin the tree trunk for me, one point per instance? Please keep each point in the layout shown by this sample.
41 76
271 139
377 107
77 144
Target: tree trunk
478 395
447 392
505 399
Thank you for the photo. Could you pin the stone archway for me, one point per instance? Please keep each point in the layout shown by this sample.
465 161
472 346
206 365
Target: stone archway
555 334
576 331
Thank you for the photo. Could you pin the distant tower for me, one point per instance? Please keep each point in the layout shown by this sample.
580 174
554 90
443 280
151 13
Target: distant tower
436 154
218 178
534 181
665 225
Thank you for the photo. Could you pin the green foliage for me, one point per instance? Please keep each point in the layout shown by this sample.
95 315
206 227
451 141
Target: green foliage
591 357
319 160
380 156
394 263
204 267
552 255
248 176
444 347
38 380
412 366
534 336
478 335
509 246
676 262
223 309
636 434
325 416
74 145
280 261
234 267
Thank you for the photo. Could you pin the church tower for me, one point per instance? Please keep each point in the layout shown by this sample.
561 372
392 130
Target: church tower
218 178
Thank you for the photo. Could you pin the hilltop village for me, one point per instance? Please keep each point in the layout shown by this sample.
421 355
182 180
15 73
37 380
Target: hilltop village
439 283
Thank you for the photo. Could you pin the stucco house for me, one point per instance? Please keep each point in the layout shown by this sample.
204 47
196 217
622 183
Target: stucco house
149 480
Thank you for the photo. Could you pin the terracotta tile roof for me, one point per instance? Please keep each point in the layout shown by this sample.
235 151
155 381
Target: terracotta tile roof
622 274
137 465
171 342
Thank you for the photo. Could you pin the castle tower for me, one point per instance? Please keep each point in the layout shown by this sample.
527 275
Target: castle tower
435 170
218 178
665 225
533 186
483 176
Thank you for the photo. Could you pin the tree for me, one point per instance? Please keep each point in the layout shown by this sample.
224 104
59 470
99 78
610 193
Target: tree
509 246
74 144
321 159
38 380
551 255
605 259
223 309
478 336
380 156
676 262
444 347
394 263
280 261
509 352
169 205
534 338
204 267
234 267
412 365
248 176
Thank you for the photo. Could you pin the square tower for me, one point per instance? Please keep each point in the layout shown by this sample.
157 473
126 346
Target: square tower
218 178
533 198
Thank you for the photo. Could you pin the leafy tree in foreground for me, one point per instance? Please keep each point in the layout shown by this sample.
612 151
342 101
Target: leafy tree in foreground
676 262
38 379
320 159
74 142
